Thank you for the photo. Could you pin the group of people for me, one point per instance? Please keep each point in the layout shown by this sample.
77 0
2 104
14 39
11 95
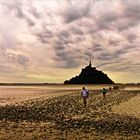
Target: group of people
85 93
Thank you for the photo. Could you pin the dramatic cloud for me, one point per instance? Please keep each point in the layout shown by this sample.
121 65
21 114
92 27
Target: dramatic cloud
76 10
50 40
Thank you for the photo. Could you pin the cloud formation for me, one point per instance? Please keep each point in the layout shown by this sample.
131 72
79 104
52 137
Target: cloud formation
39 37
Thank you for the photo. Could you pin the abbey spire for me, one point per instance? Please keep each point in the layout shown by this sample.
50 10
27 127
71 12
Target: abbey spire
90 63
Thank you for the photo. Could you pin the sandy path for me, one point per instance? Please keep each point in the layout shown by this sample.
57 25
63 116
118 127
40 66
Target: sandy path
130 107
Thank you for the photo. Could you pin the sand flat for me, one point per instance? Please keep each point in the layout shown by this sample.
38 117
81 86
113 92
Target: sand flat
14 95
66 117
130 107
43 117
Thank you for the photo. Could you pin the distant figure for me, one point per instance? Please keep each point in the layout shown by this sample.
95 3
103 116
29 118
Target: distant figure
104 93
110 89
84 94
116 88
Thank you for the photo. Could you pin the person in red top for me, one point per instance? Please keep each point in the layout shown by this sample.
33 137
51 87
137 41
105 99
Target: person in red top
84 95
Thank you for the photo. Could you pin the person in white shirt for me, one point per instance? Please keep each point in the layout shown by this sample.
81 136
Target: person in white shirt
84 95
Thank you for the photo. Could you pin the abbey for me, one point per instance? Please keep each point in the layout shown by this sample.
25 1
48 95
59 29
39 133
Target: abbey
90 75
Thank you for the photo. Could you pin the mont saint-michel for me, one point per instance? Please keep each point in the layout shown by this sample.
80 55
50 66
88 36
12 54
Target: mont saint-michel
90 75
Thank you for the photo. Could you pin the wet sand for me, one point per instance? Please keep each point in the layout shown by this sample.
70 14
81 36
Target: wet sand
65 118
16 95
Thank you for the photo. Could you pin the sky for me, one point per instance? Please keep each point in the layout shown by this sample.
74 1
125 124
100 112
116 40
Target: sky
51 40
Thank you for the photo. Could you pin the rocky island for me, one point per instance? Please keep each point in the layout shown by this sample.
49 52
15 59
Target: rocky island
90 75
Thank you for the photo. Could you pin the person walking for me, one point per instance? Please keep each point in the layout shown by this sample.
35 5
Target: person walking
104 93
84 95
